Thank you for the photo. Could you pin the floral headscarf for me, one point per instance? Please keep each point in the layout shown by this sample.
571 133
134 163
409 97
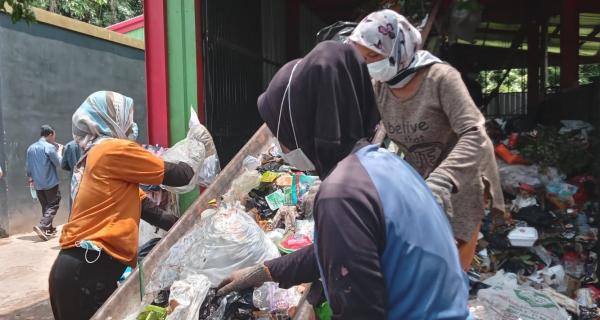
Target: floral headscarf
391 35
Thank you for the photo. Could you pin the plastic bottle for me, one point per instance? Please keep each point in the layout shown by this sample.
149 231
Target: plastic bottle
33 192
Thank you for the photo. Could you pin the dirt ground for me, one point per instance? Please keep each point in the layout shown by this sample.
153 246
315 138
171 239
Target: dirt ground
25 263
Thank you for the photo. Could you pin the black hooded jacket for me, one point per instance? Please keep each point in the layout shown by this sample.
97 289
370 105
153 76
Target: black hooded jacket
333 104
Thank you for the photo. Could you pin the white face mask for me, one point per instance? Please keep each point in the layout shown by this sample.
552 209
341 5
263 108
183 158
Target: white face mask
381 70
295 158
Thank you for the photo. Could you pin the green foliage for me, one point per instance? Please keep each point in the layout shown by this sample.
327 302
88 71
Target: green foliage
588 72
548 148
516 81
101 13
21 10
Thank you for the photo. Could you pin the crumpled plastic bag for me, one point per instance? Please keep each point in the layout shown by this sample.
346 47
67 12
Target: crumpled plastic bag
224 240
274 299
199 152
512 175
575 125
187 296
211 166
508 300
245 182
235 305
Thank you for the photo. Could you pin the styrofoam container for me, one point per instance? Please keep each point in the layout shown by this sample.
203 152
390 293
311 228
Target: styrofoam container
523 237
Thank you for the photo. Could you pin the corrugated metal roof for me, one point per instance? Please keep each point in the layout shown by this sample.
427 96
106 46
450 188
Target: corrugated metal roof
500 35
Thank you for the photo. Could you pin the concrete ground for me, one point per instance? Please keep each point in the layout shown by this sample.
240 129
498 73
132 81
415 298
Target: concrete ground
25 263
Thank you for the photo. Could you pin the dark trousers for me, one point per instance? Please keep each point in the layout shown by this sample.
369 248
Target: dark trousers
77 288
49 199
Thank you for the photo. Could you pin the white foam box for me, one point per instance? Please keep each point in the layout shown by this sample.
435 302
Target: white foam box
523 237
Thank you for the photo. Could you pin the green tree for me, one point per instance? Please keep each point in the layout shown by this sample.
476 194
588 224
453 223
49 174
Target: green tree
515 81
101 13
21 10
589 73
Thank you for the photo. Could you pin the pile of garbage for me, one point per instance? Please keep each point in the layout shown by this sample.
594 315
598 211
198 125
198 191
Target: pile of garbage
541 261
267 212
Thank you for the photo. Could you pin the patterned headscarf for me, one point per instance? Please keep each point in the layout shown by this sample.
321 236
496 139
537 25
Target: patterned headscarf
103 115
391 35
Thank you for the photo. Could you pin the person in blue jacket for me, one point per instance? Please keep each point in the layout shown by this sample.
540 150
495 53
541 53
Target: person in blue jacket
383 247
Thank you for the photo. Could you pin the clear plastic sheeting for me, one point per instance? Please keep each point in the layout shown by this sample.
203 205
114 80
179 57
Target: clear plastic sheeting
199 152
226 239
187 296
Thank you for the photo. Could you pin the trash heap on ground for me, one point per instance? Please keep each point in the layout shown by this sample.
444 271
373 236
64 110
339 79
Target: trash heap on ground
267 212
540 260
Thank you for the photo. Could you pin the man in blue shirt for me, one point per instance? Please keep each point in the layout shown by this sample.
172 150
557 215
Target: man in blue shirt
43 159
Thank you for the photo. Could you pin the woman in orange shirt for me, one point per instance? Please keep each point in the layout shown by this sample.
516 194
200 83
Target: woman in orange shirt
100 240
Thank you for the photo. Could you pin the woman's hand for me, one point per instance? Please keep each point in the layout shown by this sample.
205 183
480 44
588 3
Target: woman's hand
441 187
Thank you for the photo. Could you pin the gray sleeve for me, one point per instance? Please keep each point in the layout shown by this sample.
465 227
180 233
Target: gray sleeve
468 123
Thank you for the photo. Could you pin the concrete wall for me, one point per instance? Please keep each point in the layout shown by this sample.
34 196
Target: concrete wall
45 74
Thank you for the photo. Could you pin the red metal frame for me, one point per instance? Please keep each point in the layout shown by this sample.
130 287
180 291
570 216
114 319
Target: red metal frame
128 25
157 94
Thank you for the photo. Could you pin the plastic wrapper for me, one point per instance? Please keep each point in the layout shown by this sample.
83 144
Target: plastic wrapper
234 306
306 227
242 185
187 296
513 175
574 266
523 201
251 163
575 125
564 191
151 313
543 254
211 166
271 298
225 240
585 297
